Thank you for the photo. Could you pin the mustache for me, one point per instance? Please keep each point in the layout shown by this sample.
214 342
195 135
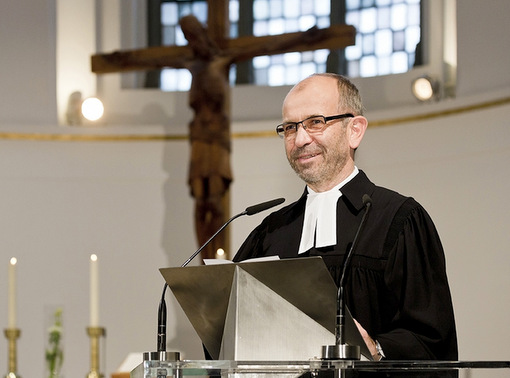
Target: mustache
305 151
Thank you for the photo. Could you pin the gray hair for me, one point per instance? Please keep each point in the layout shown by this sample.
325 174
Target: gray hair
349 96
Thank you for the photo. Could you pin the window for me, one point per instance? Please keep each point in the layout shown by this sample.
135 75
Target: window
388 37
282 16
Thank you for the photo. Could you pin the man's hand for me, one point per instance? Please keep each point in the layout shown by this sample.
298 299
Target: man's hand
369 342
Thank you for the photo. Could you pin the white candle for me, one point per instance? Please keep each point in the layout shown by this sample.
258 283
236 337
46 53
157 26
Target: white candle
220 254
11 321
94 292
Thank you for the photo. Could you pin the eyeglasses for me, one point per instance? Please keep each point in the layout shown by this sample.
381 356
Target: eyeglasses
313 125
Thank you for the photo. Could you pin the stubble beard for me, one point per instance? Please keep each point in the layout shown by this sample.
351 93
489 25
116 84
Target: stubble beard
316 173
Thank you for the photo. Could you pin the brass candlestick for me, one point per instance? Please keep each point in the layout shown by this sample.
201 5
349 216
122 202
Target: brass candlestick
12 335
95 333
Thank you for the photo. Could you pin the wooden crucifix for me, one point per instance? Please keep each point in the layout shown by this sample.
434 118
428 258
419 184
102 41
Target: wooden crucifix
208 56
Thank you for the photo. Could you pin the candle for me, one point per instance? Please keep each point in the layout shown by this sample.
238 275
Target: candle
220 254
94 292
11 320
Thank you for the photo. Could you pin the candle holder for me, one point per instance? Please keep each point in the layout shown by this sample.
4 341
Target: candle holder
12 334
94 334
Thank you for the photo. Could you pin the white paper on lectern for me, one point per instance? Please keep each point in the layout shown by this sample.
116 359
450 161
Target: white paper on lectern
255 259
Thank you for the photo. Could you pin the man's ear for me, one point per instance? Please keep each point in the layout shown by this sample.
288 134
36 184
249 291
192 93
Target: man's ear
357 128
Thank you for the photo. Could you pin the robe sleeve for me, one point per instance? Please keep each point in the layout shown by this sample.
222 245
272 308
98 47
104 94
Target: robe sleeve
422 325
251 246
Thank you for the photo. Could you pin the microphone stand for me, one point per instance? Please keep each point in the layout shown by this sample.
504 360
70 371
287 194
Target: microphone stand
341 350
162 311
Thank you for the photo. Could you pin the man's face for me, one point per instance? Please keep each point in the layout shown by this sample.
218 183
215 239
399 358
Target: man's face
321 160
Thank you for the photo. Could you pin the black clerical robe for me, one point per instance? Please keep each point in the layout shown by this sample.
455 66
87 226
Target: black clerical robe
397 286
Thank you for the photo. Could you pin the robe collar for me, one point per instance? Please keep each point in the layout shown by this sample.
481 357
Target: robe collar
319 225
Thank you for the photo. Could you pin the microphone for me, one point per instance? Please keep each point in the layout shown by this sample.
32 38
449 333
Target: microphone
341 350
255 209
251 210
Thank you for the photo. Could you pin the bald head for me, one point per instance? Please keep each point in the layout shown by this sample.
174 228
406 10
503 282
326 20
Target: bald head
347 95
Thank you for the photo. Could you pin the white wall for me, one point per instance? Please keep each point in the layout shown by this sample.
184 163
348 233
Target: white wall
483 54
27 62
127 201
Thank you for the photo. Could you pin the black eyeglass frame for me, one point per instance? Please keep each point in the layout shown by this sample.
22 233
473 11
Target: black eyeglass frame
280 129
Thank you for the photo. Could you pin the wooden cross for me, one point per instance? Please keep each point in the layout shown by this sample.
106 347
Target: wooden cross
208 56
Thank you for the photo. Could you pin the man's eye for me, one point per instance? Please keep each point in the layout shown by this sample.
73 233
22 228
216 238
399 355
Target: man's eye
316 121
289 127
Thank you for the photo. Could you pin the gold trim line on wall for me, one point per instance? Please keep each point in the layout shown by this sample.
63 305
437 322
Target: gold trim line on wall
253 134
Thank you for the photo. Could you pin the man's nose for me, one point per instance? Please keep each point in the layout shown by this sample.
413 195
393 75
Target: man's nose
302 136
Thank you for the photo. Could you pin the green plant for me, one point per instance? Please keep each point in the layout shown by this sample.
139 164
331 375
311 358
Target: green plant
54 352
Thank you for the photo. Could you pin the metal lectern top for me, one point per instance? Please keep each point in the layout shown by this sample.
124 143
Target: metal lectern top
205 292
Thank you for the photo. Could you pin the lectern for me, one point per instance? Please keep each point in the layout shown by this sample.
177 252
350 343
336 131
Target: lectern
279 310
270 319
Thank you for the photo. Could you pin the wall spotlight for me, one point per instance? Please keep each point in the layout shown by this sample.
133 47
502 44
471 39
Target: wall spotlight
92 108
78 109
425 88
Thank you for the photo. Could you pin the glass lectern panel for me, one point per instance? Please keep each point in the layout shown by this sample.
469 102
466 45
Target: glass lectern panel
316 368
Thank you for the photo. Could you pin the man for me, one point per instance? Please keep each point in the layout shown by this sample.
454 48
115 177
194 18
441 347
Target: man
396 288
